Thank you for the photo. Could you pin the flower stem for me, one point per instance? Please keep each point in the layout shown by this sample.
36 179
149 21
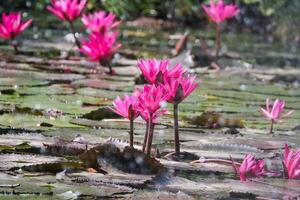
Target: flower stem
218 41
219 161
131 134
271 127
176 133
74 35
146 136
15 46
150 135
111 72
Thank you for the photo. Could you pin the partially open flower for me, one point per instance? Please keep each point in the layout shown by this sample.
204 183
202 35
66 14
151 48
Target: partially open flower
291 163
100 48
219 12
68 10
155 71
276 113
11 25
179 89
151 100
126 108
250 168
100 22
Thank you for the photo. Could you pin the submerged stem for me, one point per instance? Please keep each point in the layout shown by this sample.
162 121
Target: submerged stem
131 134
74 35
15 46
176 132
218 41
146 136
271 126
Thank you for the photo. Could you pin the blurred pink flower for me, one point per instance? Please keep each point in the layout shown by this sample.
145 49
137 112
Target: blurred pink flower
68 10
155 71
126 108
219 12
291 163
12 25
250 168
100 22
276 113
179 89
100 48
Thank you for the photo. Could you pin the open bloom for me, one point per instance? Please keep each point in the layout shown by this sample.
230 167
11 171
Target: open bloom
150 101
127 107
276 113
155 71
12 25
100 47
179 89
68 10
219 12
291 162
250 168
100 22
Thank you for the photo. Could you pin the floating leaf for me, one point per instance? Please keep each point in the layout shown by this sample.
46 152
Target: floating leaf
214 120
129 160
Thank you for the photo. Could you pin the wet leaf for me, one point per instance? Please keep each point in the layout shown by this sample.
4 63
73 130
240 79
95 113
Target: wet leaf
129 160
101 113
215 120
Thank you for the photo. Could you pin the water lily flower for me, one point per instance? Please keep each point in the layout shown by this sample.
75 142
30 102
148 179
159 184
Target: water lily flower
127 108
276 113
178 90
100 22
11 26
291 163
218 13
68 10
250 168
151 99
155 71
101 48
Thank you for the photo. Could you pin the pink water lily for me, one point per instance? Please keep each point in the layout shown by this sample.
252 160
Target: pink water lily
68 10
155 71
151 99
177 90
276 113
11 26
127 108
100 22
250 168
219 12
101 48
291 163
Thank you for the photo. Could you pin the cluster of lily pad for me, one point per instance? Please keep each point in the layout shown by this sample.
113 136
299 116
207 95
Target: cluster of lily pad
167 83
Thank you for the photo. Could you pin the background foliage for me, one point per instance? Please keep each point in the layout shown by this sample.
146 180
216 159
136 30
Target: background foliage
283 14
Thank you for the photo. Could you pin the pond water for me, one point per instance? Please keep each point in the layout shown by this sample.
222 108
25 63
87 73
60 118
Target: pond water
44 95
